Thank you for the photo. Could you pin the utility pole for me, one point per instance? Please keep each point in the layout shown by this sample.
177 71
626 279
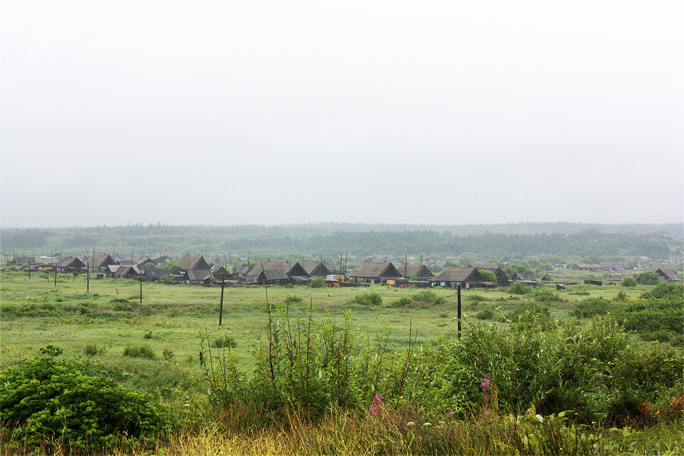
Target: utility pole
141 291
458 316
87 276
223 284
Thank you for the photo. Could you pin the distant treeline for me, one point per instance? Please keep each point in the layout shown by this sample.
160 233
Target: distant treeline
563 240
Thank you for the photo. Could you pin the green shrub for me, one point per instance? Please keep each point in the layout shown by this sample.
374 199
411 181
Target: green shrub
519 288
93 350
51 402
487 314
141 351
427 296
629 282
649 278
545 295
168 354
475 298
590 307
318 282
226 341
371 298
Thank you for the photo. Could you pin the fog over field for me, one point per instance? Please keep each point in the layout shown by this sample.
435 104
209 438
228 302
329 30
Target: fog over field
396 112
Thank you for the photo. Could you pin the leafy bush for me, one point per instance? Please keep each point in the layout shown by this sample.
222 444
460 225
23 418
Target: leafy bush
318 282
226 341
487 314
519 288
93 350
590 307
649 278
48 401
489 276
141 351
427 296
628 282
475 298
545 295
368 299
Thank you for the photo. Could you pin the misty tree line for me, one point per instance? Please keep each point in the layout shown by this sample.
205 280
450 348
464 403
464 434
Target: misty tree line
317 239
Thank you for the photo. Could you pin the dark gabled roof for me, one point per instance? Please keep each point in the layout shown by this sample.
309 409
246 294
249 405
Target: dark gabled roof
275 274
375 270
523 276
669 274
152 272
187 262
198 275
288 268
127 271
409 270
21 260
316 268
460 275
144 261
101 260
71 262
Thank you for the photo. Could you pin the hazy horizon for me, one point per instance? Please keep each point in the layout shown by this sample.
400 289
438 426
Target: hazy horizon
379 112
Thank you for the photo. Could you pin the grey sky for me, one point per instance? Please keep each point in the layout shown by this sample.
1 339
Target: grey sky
274 112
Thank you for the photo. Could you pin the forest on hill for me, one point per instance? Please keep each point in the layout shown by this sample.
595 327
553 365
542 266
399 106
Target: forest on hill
523 240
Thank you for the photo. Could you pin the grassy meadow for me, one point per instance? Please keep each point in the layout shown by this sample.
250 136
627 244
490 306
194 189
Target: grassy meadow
155 347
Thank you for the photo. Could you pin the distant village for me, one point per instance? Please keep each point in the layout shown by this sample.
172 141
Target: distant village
196 270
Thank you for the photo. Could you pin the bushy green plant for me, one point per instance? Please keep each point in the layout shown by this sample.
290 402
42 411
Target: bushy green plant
140 351
487 314
649 278
545 295
519 288
590 307
318 282
628 282
427 296
371 298
226 341
49 400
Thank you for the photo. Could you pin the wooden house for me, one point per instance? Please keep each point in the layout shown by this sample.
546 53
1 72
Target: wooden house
218 273
668 275
189 262
465 277
374 273
199 276
316 269
275 272
71 264
501 277
523 277
22 260
101 261
419 270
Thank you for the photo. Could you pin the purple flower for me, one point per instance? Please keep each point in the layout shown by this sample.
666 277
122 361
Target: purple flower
486 414
379 399
451 413
485 383
374 409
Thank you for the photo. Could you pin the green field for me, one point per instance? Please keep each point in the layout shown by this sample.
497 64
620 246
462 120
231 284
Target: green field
155 346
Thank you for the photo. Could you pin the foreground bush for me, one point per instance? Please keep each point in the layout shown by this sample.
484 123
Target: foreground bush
50 400
552 366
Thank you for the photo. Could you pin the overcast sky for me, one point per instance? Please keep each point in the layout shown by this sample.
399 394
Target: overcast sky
272 112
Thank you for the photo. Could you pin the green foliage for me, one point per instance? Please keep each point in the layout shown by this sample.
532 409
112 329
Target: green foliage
514 268
318 282
545 295
227 341
489 276
173 267
591 307
427 296
628 282
93 350
47 400
520 288
140 351
665 290
370 298
487 314
649 278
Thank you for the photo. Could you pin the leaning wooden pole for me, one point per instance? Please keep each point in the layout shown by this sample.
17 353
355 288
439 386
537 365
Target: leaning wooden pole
459 312
223 284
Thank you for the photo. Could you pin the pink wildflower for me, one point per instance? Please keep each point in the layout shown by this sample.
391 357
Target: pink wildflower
378 398
485 383
486 413
451 413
